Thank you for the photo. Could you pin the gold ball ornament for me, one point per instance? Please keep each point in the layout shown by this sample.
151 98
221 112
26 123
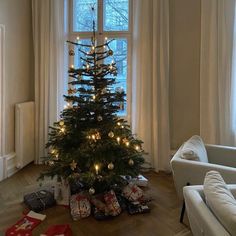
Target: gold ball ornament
71 52
61 123
111 134
131 162
91 191
110 166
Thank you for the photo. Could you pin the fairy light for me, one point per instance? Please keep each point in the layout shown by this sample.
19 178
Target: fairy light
137 148
96 168
127 143
87 66
72 66
77 38
106 39
94 97
53 151
122 127
63 129
93 136
119 124
118 139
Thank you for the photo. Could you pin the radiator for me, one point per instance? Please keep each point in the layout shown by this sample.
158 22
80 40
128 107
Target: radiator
24 133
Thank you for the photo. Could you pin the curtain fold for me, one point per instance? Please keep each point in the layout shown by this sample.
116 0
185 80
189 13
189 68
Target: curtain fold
216 67
49 66
150 83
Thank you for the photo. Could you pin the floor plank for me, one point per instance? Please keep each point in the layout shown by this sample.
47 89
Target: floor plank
162 221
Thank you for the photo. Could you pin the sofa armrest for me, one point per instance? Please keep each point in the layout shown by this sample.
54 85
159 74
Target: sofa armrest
193 172
221 155
202 220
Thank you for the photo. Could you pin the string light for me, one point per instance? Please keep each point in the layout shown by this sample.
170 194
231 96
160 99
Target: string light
87 66
93 136
77 38
94 97
127 144
122 127
53 151
72 66
119 124
106 39
63 130
96 168
137 148
118 139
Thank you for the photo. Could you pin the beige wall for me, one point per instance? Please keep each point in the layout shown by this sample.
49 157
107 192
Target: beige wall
16 16
184 69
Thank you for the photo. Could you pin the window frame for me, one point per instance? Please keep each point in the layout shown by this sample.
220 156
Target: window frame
101 34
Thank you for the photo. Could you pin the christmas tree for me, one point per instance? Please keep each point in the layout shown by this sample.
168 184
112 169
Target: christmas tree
90 143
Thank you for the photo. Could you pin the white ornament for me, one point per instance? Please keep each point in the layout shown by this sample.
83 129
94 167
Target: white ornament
131 162
91 191
110 166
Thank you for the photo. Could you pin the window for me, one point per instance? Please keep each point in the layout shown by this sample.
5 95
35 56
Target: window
112 21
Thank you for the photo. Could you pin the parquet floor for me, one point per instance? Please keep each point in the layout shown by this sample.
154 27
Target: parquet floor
162 221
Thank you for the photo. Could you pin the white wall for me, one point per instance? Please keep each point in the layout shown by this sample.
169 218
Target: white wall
19 80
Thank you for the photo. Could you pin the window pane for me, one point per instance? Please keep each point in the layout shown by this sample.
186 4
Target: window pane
83 15
116 15
119 47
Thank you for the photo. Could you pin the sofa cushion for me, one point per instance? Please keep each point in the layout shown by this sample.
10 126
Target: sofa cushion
220 200
194 149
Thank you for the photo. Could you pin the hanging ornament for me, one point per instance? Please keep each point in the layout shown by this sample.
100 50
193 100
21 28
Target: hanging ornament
110 52
111 134
51 163
110 166
91 191
73 165
99 177
99 118
131 162
71 52
61 123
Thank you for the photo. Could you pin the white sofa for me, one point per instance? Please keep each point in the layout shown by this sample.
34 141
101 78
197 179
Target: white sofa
220 158
202 220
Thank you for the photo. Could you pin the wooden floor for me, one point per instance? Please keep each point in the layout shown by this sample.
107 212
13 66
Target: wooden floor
163 219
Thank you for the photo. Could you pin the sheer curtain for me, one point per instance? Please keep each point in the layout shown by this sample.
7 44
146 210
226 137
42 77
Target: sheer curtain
49 45
217 76
150 85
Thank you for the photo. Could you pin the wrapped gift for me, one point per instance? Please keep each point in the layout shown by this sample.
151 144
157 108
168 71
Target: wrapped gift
80 206
62 230
140 180
112 203
39 201
137 208
62 193
132 192
98 202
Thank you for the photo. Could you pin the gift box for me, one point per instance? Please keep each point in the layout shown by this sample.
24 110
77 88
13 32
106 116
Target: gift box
62 193
39 201
80 206
132 192
58 230
112 203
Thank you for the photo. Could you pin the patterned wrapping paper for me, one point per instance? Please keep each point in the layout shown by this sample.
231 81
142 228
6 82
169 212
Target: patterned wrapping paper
39 201
132 192
112 203
80 206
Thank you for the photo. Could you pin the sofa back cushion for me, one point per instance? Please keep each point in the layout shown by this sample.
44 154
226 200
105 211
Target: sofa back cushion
194 149
220 200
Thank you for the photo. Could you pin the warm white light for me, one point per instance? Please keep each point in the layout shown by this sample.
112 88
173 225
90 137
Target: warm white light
96 168
118 139
106 38
118 123
77 38
53 151
127 144
72 66
122 127
87 66
63 130
93 48
137 147
94 97
93 136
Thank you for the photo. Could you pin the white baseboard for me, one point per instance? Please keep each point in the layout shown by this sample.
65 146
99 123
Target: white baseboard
7 165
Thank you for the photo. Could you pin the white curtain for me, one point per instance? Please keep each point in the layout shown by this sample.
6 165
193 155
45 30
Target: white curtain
49 43
150 84
217 75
